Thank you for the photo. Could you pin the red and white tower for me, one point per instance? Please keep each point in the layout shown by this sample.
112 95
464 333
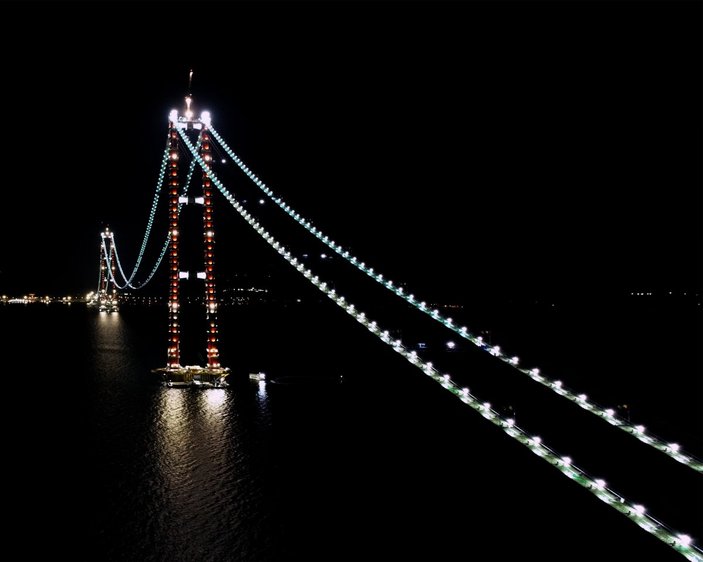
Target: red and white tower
174 279
213 374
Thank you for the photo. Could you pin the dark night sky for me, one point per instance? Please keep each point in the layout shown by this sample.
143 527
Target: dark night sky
521 146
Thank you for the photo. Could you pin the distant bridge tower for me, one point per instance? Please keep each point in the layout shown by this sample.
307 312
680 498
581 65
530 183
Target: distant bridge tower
174 374
107 291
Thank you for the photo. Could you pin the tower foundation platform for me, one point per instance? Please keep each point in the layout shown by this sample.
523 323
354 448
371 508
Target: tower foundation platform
193 375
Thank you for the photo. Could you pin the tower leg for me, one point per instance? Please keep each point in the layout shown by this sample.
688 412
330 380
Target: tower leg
174 334
213 354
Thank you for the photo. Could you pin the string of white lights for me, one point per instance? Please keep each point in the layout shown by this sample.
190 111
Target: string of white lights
671 449
164 248
150 222
680 542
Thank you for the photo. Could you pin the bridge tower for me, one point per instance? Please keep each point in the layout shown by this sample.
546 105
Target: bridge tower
106 296
175 374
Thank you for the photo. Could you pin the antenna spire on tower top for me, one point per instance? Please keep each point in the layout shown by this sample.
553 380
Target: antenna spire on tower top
189 99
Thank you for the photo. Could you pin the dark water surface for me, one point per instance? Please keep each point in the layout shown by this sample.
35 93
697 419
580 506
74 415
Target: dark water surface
348 452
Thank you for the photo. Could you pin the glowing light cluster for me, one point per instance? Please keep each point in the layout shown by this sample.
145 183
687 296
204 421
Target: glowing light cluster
659 444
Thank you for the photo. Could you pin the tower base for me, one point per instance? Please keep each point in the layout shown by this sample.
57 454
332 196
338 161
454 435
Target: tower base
193 375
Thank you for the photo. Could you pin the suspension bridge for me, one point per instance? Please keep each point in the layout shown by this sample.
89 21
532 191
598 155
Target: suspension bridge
192 139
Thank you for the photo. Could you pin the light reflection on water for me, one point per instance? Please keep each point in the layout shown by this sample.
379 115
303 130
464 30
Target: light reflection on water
187 428
211 493
110 331
176 476
261 393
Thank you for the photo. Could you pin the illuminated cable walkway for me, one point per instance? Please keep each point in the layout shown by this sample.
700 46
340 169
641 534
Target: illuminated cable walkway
127 281
634 511
673 450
